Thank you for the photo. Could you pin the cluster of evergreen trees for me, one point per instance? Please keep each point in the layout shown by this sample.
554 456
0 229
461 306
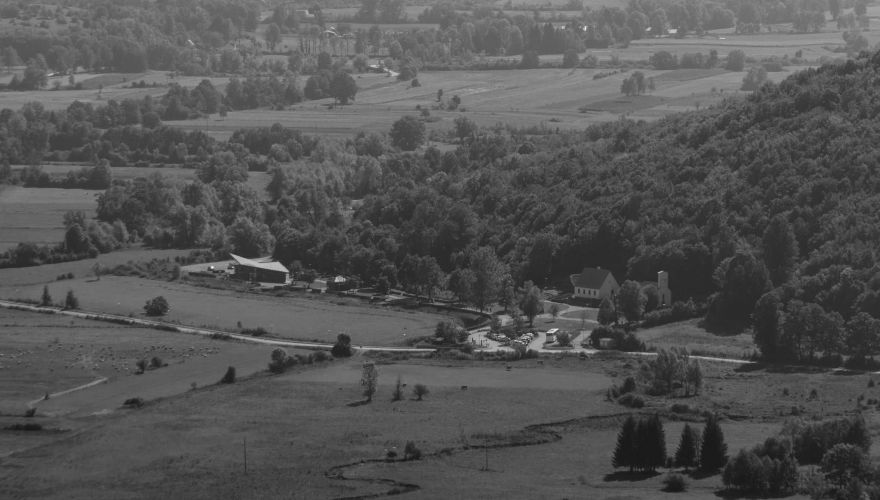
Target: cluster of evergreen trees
641 445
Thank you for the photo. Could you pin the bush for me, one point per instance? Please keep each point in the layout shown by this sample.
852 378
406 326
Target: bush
156 306
70 301
280 361
229 377
631 400
411 452
342 347
156 362
24 427
629 385
674 483
142 365
321 356
419 391
255 332
133 403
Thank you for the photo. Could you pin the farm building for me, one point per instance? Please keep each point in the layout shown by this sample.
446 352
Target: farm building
261 270
594 283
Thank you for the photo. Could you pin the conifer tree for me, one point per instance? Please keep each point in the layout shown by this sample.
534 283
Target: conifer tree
713 451
688 448
625 452
46 299
652 443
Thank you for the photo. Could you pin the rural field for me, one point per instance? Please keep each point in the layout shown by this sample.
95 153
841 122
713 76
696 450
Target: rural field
36 214
567 99
307 435
291 317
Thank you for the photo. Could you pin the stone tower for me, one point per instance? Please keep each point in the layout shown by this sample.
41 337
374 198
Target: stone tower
663 289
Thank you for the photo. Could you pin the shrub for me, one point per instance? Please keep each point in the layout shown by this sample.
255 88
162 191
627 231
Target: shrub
70 301
631 400
255 332
156 306
320 356
563 339
674 483
229 377
342 347
419 391
24 427
156 362
142 365
411 452
629 385
133 403
278 361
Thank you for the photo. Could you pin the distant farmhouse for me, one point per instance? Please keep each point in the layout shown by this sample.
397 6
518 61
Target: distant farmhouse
594 283
261 270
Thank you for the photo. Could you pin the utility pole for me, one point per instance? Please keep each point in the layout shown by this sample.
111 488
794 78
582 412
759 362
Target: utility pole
244 446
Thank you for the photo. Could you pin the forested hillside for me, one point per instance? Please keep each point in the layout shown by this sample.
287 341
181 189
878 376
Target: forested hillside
776 191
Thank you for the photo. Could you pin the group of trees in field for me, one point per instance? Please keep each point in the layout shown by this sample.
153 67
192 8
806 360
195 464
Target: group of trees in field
641 445
838 446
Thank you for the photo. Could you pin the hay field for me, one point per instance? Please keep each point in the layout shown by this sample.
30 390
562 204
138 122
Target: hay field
544 98
293 317
35 214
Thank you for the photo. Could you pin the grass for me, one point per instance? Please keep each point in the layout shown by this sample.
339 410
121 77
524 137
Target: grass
697 340
35 214
321 446
298 316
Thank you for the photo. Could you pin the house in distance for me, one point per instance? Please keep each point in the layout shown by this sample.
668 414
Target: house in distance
260 270
594 284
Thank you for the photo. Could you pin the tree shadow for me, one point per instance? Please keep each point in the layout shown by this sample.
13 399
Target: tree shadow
630 476
702 474
726 329
359 403
750 367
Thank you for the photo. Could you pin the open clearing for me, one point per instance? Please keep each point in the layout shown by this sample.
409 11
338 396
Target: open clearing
300 430
697 340
45 354
294 317
35 214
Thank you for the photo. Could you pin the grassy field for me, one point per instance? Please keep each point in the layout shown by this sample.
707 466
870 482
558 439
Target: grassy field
35 214
305 431
548 98
44 353
693 336
297 316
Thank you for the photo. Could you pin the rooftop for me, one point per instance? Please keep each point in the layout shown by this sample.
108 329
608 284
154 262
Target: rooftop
590 277
260 263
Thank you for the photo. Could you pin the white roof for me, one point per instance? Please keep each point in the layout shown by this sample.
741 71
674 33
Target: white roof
262 263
